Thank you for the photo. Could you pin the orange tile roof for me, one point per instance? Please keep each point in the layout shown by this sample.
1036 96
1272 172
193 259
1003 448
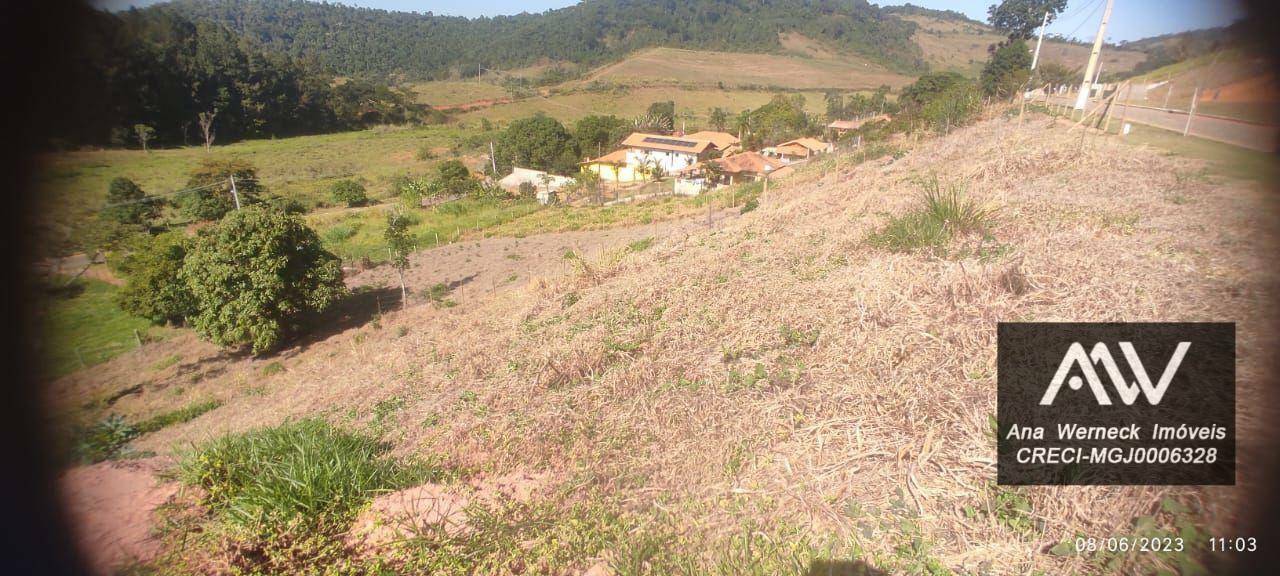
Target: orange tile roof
666 143
722 140
615 157
855 124
753 162
810 143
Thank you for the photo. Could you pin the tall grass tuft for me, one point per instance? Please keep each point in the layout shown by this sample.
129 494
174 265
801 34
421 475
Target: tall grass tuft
943 213
305 474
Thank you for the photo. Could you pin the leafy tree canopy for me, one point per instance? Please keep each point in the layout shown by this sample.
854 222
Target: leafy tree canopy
208 195
128 204
539 142
1007 70
256 275
1020 18
598 135
153 287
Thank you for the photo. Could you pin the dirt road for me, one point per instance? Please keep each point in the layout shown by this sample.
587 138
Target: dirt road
1235 132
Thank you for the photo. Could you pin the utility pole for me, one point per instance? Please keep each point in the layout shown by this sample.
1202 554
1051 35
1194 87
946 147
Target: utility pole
493 162
1195 96
1083 97
1043 23
1192 112
234 193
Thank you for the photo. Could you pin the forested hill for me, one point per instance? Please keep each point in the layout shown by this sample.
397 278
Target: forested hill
363 41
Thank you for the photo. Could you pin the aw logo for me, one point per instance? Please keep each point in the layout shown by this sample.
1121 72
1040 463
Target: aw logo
1128 391
1167 381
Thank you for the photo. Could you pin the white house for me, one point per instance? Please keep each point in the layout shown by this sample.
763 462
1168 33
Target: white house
544 183
670 153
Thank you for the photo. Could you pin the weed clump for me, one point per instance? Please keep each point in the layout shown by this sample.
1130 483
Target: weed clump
306 474
944 213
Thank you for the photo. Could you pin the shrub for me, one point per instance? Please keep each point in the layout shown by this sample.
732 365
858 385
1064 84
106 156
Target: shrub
307 474
153 286
341 232
209 188
105 440
1007 71
942 214
349 192
256 275
127 204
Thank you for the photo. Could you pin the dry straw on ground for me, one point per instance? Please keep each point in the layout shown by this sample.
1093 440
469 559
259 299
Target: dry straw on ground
780 368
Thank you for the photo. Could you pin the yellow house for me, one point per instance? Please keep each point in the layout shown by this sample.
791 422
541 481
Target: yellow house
613 167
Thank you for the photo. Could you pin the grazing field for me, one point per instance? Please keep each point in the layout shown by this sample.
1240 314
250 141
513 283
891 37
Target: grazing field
83 327
449 93
689 67
962 47
654 410
74 184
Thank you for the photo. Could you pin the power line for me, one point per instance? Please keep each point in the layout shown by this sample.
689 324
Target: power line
1097 4
151 197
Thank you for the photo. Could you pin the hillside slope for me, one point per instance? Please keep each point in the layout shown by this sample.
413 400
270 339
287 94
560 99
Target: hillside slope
950 43
426 46
688 67
780 374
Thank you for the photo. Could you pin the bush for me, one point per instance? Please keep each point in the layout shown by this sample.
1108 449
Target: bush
1007 71
952 108
341 232
307 474
153 287
127 204
941 215
209 196
349 192
256 275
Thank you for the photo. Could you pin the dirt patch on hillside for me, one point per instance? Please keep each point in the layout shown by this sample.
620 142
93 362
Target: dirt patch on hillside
436 508
486 266
111 506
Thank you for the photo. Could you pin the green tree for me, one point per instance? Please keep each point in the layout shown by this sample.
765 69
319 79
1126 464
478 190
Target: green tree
400 245
718 118
539 142
1055 74
349 192
927 87
835 105
664 111
256 275
208 195
596 135
127 204
153 286
1019 18
1007 71
454 177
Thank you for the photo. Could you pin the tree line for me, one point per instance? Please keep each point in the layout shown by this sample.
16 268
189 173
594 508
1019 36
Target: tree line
154 77
366 41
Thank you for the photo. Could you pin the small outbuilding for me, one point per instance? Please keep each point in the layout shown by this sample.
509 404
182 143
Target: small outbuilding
544 183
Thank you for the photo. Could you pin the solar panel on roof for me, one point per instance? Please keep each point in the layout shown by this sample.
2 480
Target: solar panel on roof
670 142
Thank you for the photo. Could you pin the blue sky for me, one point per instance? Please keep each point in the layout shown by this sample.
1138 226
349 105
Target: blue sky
1130 20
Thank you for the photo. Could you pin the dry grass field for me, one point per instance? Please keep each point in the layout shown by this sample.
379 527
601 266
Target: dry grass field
771 391
689 67
962 47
